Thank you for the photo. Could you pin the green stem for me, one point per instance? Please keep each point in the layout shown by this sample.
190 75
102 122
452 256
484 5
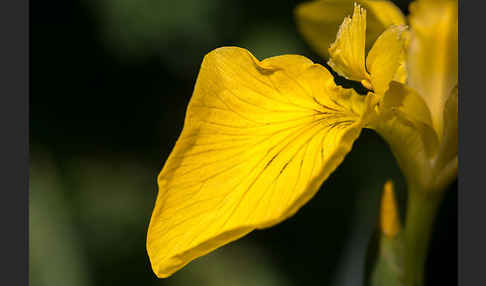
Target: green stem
421 212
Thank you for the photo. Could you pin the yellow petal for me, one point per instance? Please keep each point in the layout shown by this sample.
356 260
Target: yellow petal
405 122
389 215
446 162
347 53
386 57
401 73
318 21
259 139
449 149
433 54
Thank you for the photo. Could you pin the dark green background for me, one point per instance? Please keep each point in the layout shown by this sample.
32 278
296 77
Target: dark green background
110 80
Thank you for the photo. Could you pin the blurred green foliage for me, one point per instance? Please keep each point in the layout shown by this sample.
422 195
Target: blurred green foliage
110 81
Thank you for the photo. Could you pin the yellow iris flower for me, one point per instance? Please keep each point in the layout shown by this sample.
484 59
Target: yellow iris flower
260 137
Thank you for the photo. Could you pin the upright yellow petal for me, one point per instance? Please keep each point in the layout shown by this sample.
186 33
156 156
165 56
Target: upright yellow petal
318 21
259 139
446 161
386 57
389 215
449 143
404 121
433 53
347 53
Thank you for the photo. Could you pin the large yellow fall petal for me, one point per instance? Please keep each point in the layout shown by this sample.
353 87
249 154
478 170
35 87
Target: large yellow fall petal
318 21
347 53
386 57
433 53
259 139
